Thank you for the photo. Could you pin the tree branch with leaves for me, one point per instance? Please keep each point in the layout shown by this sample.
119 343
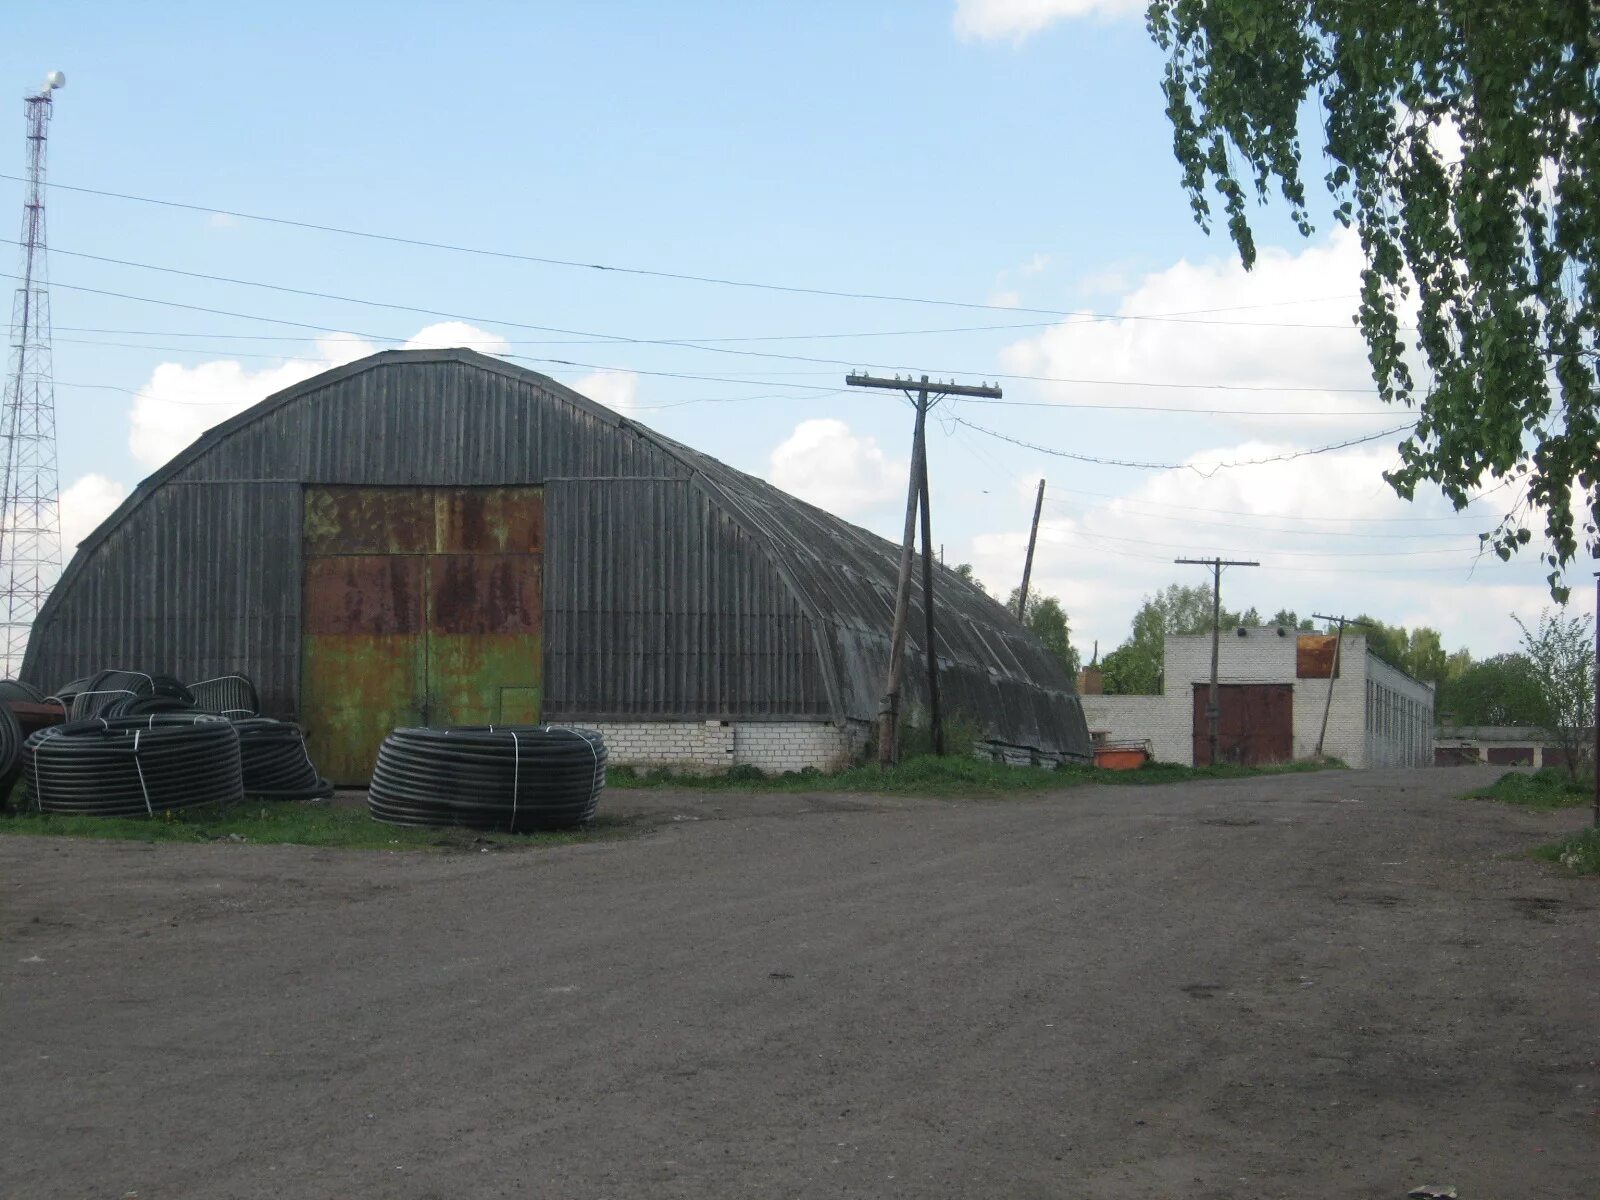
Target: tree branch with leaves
1492 252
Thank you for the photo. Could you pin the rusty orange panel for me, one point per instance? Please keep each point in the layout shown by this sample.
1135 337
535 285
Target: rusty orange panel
369 520
483 593
1313 658
364 594
508 520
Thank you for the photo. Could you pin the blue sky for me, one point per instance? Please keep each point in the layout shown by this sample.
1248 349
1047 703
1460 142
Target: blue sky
1011 152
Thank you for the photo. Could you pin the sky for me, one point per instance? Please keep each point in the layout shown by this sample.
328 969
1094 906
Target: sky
991 181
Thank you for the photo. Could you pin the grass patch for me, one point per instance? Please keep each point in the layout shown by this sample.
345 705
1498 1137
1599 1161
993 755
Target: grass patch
289 822
1580 852
1547 788
926 775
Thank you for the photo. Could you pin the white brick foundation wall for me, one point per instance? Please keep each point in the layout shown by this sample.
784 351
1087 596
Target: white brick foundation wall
710 746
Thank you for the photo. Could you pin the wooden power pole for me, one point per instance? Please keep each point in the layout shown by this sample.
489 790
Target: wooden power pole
1213 710
1333 671
1027 563
919 392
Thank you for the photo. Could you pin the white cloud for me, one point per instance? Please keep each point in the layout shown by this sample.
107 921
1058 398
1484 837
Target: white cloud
826 464
85 503
1035 265
1103 555
617 390
1018 20
448 335
1006 300
180 402
1283 325
219 220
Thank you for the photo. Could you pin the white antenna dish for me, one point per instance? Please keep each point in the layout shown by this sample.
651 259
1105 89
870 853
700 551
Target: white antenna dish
54 80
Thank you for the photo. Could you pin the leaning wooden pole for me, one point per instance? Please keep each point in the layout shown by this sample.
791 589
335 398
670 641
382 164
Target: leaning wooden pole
930 635
889 714
1027 563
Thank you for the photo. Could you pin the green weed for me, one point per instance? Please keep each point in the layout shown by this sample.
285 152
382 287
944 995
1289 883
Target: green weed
927 775
280 822
1580 852
1547 788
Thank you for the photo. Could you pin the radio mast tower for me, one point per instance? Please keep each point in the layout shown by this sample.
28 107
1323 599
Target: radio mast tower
30 524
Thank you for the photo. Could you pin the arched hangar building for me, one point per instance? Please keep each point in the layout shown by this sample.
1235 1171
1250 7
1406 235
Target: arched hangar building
441 537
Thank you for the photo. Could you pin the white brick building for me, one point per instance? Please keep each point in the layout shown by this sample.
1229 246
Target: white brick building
1274 687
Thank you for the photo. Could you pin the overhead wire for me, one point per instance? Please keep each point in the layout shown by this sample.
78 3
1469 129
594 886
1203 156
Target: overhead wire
1206 472
623 339
611 268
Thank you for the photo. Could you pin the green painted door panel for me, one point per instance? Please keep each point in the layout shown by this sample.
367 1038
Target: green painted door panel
468 675
355 689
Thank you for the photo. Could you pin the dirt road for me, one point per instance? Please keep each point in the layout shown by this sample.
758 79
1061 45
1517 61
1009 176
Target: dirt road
1340 985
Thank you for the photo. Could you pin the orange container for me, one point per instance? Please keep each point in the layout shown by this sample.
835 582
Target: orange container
1121 758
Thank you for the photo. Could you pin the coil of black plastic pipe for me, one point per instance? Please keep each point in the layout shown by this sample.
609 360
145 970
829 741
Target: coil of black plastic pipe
143 706
133 766
276 764
517 778
10 750
107 688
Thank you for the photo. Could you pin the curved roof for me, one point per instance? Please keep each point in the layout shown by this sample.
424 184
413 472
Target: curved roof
364 421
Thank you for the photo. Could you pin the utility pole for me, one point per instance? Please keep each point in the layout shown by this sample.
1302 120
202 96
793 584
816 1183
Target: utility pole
918 391
1213 710
1333 672
1027 563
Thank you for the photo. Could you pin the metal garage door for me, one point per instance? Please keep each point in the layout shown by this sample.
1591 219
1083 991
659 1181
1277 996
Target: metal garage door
1256 725
421 606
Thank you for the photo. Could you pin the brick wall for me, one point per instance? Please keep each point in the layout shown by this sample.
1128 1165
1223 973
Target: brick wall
709 746
1379 716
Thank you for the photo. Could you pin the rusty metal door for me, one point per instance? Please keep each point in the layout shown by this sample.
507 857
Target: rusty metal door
1255 725
422 606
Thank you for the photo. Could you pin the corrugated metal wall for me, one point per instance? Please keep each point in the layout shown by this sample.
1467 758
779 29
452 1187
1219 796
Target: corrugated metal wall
674 585
657 604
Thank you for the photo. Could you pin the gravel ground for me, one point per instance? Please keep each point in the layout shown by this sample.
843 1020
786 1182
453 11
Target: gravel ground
1335 985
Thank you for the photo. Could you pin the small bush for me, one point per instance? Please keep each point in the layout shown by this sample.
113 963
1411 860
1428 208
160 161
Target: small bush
1547 788
745 773
1580 852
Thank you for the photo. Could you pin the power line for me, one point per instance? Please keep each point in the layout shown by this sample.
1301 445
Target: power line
1466 567
1239 512
678 276
1464 549
1289 414
623 339
1159 466
1387 535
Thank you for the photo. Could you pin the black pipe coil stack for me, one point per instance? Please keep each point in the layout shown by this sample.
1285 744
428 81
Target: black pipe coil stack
143 706
15 689
10 751
518 778
227 695
276 764
132 766
106 688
